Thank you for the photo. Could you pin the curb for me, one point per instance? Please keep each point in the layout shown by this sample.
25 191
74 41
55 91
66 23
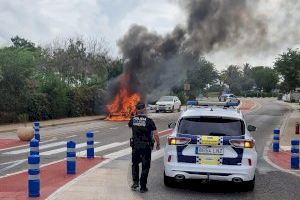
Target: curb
267 148
59 123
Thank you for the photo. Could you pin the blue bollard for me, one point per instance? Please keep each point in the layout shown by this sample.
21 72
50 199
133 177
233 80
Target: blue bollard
33 175
71 157
37 130
295 154
90 145
34 147
276 138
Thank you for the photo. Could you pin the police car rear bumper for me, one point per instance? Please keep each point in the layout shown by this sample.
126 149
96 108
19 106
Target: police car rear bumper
219 173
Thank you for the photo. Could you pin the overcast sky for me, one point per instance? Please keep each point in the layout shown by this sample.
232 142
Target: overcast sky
43 21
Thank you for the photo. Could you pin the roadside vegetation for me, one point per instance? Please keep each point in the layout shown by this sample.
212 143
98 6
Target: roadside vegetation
70 79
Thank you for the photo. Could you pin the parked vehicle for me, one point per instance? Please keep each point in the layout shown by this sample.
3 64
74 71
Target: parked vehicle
224 97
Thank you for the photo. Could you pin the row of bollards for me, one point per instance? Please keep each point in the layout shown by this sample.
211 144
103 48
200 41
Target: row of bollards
34 159
294 147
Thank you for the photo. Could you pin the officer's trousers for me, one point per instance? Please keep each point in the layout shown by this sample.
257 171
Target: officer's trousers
141 155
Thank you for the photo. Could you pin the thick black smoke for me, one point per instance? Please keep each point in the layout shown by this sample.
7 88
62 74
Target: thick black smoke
156 63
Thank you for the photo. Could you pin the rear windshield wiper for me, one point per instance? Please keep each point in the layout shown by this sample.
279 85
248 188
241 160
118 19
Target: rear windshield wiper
217 134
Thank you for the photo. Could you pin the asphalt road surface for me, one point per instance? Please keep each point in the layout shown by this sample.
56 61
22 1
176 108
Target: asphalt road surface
113 136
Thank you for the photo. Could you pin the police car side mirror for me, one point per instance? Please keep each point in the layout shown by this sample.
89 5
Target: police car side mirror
172 125
251 128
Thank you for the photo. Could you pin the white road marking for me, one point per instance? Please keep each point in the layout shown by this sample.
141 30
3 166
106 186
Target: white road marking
114 128
102 148
12 166
15 147
118 154
41 148
71 136
285 148
64 149
7 163
157 154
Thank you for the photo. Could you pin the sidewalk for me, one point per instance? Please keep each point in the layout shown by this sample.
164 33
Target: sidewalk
107 182
54 122
282 159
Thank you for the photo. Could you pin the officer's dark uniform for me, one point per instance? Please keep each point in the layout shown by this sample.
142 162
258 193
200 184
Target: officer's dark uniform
142 145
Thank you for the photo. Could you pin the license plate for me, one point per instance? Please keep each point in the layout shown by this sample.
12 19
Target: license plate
209 160
209 150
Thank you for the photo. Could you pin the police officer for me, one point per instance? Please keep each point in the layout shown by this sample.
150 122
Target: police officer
143 133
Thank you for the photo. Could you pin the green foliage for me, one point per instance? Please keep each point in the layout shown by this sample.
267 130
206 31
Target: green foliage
288 65
115 69
265 78
200 75
17 66
56 90
53 83
232 76
23 43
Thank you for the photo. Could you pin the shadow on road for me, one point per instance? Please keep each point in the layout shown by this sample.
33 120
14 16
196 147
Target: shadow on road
211 186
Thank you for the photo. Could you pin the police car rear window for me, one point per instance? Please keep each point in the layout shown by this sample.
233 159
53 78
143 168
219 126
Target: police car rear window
214 126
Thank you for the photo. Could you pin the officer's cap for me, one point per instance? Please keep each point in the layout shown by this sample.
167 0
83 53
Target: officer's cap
140 106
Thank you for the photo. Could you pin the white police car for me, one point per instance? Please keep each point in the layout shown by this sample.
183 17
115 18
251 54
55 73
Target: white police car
211 143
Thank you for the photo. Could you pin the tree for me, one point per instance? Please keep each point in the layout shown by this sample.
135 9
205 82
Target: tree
200 75
19 42
288 65
265 78
76 64
232 76
247 81
17 67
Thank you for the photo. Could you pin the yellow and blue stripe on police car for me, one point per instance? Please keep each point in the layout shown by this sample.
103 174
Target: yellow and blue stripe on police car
204 159
210 140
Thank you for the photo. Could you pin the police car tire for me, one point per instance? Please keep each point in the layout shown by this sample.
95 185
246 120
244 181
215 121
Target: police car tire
157 111
168 181
249 185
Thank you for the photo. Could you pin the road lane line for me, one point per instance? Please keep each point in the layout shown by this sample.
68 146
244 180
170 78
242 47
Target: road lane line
6 163
40 148
64 149
71 136
114 128
13 165
25 145
102 148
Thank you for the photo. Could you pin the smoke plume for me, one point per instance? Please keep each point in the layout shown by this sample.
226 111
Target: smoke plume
156 63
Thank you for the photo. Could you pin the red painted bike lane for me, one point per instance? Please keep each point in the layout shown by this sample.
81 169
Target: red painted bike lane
53 176
7 143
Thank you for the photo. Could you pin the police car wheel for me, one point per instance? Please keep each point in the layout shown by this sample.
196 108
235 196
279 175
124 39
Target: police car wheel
249 185
168 181
157 111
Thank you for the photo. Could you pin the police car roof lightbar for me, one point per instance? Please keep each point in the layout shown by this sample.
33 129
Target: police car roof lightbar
204 103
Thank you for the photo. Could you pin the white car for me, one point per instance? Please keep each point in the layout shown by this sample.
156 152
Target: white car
168 103
224 97
211 143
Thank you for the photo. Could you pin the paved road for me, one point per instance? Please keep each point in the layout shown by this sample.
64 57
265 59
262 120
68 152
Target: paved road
109 137
112 136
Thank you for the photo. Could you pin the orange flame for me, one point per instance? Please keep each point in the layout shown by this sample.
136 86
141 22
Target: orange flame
123 105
